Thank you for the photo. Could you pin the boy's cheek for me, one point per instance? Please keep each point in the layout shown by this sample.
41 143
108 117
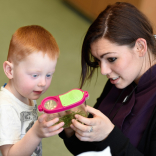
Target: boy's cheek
48 83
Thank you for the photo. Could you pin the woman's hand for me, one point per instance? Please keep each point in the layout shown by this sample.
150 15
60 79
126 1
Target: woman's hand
44 129
93 129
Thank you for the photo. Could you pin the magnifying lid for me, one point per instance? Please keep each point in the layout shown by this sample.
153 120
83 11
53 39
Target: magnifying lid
63 102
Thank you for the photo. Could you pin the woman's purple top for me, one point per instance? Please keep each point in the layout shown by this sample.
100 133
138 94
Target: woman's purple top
132 117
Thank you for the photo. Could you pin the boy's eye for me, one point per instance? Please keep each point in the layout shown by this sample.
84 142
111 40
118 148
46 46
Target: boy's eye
112 59
48 75
35 75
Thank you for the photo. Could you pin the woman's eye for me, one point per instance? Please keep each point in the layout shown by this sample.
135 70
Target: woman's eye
35 75
112 59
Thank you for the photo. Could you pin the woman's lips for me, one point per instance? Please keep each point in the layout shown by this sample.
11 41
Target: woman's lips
114 81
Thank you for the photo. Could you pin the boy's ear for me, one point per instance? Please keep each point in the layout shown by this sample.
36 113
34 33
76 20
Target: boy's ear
141 46
8 69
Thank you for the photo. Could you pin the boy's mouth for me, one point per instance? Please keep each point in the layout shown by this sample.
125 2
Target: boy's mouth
37 92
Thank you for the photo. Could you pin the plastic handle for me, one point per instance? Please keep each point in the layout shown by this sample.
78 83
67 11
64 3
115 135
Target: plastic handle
86 94
40 108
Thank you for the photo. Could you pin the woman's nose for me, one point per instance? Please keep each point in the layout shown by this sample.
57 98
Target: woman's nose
105 69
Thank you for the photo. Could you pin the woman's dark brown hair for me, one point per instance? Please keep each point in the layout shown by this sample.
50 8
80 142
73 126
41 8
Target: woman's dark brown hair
121 23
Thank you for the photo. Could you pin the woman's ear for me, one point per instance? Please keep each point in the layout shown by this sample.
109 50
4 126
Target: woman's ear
141 46
8 69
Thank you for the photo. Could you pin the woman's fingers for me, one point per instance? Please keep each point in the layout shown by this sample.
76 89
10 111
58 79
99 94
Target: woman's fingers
78 125
84 120
81 128
82 138
93 111
82 135
92 129
90 121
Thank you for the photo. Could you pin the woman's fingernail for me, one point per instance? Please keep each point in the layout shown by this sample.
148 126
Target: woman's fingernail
76 116
62 124
57 119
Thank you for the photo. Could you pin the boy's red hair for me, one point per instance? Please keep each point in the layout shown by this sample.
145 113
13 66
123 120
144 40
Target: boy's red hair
29 39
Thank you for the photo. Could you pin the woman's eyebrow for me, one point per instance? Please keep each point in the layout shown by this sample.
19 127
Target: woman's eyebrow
101 56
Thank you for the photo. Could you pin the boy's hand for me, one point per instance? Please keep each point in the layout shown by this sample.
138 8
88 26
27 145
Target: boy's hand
44 129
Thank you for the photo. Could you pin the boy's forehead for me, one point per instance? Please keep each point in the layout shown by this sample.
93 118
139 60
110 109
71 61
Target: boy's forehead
39 55
37 62
37 58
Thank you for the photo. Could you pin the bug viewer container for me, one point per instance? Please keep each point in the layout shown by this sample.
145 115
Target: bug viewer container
65 106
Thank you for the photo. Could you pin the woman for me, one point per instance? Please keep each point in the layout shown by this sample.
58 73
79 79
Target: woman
121 42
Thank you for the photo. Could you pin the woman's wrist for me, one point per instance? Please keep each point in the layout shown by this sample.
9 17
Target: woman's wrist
110 130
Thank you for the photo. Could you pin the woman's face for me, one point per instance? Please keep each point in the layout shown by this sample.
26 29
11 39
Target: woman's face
121 64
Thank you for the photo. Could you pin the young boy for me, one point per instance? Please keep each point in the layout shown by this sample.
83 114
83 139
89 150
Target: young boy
30 64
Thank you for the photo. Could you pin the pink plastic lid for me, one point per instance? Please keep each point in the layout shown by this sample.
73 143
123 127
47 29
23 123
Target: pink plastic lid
71 99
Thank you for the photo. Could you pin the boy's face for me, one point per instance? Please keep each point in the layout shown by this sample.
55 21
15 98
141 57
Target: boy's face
32 76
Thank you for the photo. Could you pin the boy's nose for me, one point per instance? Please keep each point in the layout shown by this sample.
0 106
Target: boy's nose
42 82
105 69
